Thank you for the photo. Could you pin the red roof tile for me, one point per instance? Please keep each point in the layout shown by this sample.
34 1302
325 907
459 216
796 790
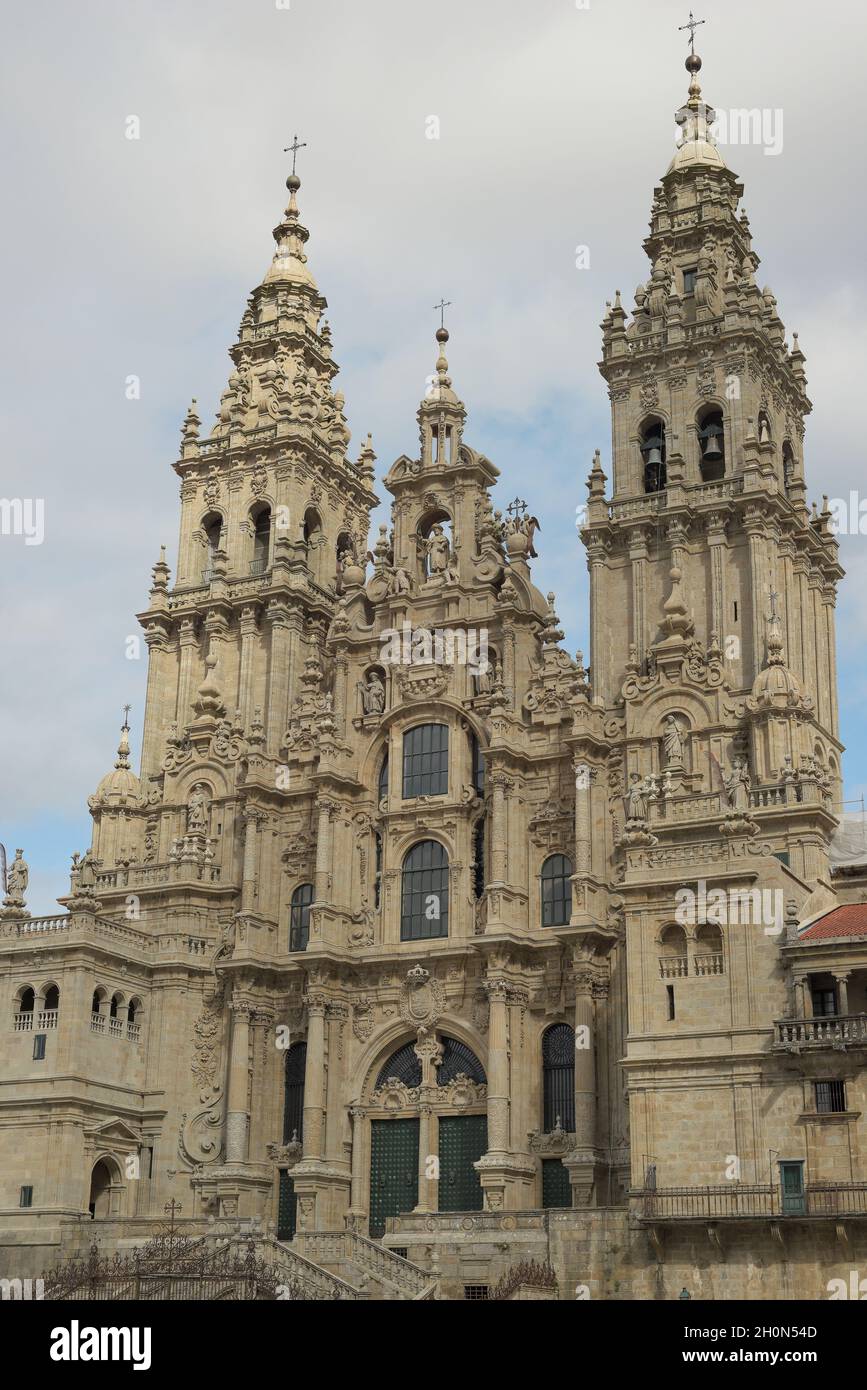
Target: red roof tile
848 920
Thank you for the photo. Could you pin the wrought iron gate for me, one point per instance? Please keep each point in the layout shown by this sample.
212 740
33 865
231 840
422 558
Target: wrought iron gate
287 1204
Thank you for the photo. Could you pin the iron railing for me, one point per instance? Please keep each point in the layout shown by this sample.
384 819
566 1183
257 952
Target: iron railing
743 1201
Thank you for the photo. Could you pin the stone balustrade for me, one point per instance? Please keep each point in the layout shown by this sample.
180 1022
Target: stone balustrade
837 1031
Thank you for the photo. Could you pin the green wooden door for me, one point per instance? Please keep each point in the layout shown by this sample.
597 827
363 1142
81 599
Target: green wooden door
393 1170
463 1140
286 1207
556 1187
792 1183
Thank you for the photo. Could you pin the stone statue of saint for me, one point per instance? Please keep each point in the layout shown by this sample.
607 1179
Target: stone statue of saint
438 550
737 785
637 797
17 878
672 741
197 808
372 693
485 677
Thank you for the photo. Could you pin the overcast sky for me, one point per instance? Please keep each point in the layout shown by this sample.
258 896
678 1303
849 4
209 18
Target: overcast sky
127 257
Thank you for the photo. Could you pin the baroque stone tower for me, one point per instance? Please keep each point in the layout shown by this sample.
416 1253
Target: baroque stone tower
416 935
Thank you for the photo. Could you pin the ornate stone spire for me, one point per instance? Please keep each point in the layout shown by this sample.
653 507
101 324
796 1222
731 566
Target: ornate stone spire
695 119
441 414
289 263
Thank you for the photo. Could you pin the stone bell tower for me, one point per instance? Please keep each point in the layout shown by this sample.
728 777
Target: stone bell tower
717 676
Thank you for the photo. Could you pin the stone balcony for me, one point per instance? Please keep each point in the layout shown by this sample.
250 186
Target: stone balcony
836 1032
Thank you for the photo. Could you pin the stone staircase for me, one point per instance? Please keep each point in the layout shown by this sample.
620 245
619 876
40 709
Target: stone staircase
359 1268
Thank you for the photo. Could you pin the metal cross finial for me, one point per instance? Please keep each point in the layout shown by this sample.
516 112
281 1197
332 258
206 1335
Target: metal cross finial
442 306
691 26
774 597
295 147
517 508
126 710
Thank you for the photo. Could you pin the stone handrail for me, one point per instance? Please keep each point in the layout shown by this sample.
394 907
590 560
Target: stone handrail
310 1276
368 1255
829 1030
378 1259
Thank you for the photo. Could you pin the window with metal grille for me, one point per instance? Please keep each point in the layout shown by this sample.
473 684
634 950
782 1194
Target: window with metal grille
402 1250
558 1077
383 778
39 1047
424 907
293 1093
403 1064
478 765
458 1058
377 870
689 280
830 1096
556 891
426 760
474 1292
26 1197
299 917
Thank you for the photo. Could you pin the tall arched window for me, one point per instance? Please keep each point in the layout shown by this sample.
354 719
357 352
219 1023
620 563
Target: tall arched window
404 1065
556 891
213 529
653 453
424 906
299 917
293 1093
558 1078
24 1006
261 541
712 444
383 777
426 760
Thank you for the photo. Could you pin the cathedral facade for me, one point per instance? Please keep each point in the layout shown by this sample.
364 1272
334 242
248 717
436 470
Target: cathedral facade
418 947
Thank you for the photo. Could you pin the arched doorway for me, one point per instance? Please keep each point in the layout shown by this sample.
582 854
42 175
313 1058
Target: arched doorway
99 1201
428 1129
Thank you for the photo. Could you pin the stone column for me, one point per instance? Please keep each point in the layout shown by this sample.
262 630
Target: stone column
322 878
248 624
498 1067
798 986
499 784
583 776
429 1052
252 817
581 1163
638 562
716 543
357 1206
314 1077
189 646
237 1117
278 676
842 978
